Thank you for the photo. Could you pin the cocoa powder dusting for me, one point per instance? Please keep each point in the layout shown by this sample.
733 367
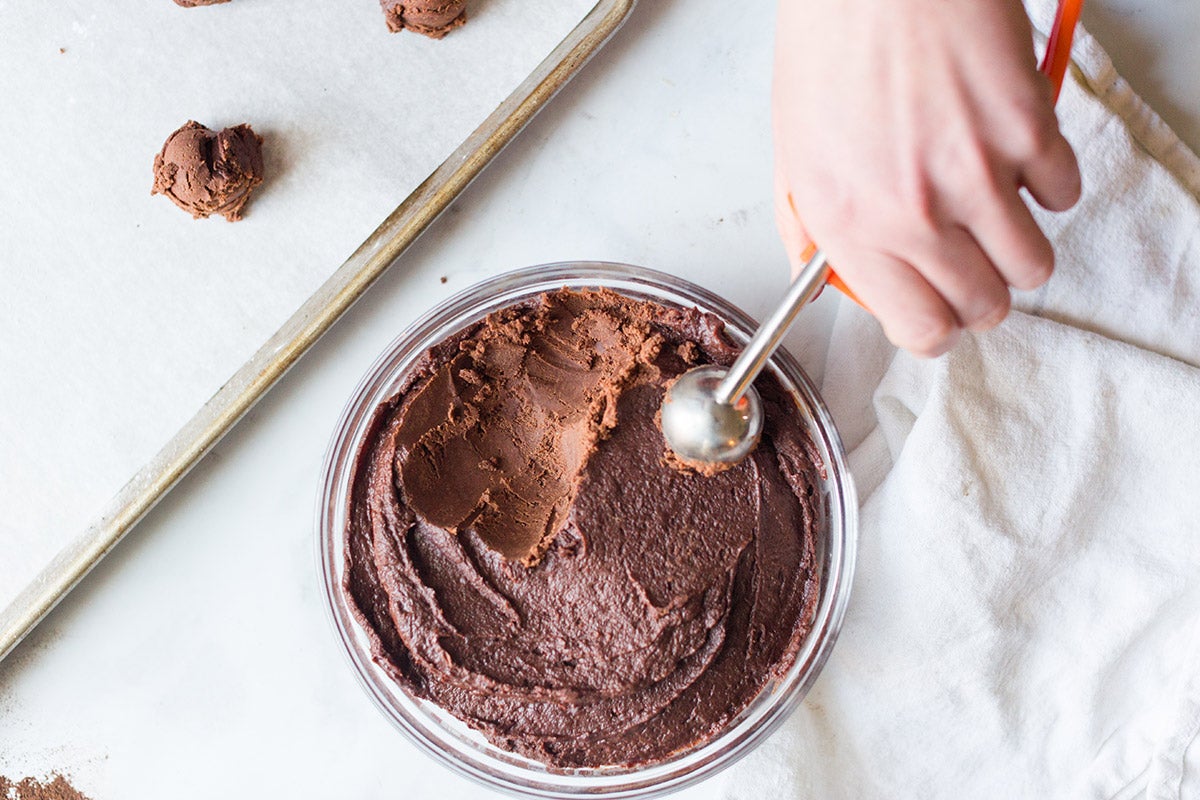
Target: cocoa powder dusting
55 787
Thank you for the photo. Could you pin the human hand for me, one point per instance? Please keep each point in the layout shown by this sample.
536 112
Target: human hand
903 131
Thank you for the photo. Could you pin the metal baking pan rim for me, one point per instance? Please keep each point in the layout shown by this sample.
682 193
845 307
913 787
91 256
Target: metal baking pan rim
372 258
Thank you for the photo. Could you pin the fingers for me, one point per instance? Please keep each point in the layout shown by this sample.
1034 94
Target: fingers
957 286
913 314
1034 145
1037 156
955 272
1052 173
959 270
953 277
1002 225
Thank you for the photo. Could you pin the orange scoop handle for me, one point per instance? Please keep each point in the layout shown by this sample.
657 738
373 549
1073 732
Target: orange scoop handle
1058 46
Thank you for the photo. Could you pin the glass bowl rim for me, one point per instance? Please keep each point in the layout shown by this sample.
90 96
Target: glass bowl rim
504 772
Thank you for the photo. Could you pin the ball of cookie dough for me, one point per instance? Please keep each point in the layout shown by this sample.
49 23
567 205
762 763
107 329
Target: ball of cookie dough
206 172
434 18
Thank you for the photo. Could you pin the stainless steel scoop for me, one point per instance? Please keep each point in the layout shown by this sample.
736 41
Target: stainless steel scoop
712 416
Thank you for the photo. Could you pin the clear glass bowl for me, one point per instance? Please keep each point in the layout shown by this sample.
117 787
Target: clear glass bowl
446 738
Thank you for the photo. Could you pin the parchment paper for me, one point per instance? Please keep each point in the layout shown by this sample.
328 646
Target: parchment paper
120 315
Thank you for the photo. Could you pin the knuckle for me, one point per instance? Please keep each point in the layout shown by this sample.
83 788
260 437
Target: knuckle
964 164
990 313
979 203
1036 138
1037 269
907 219
978 189
927 335
1022 141
877 213
1028 122
919 197
975 170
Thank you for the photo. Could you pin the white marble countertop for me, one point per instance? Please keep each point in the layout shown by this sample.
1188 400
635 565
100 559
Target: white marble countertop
198 659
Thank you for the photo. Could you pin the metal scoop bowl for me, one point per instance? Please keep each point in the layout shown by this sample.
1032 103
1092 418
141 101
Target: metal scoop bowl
712 418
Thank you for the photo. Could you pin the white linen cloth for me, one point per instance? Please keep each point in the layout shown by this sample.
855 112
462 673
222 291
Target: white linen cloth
1025 617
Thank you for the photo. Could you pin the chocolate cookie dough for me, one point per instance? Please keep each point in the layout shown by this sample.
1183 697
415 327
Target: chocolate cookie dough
521 553
205 172
434 18
194 3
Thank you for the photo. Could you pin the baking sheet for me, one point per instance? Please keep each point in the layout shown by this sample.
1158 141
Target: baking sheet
121 316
